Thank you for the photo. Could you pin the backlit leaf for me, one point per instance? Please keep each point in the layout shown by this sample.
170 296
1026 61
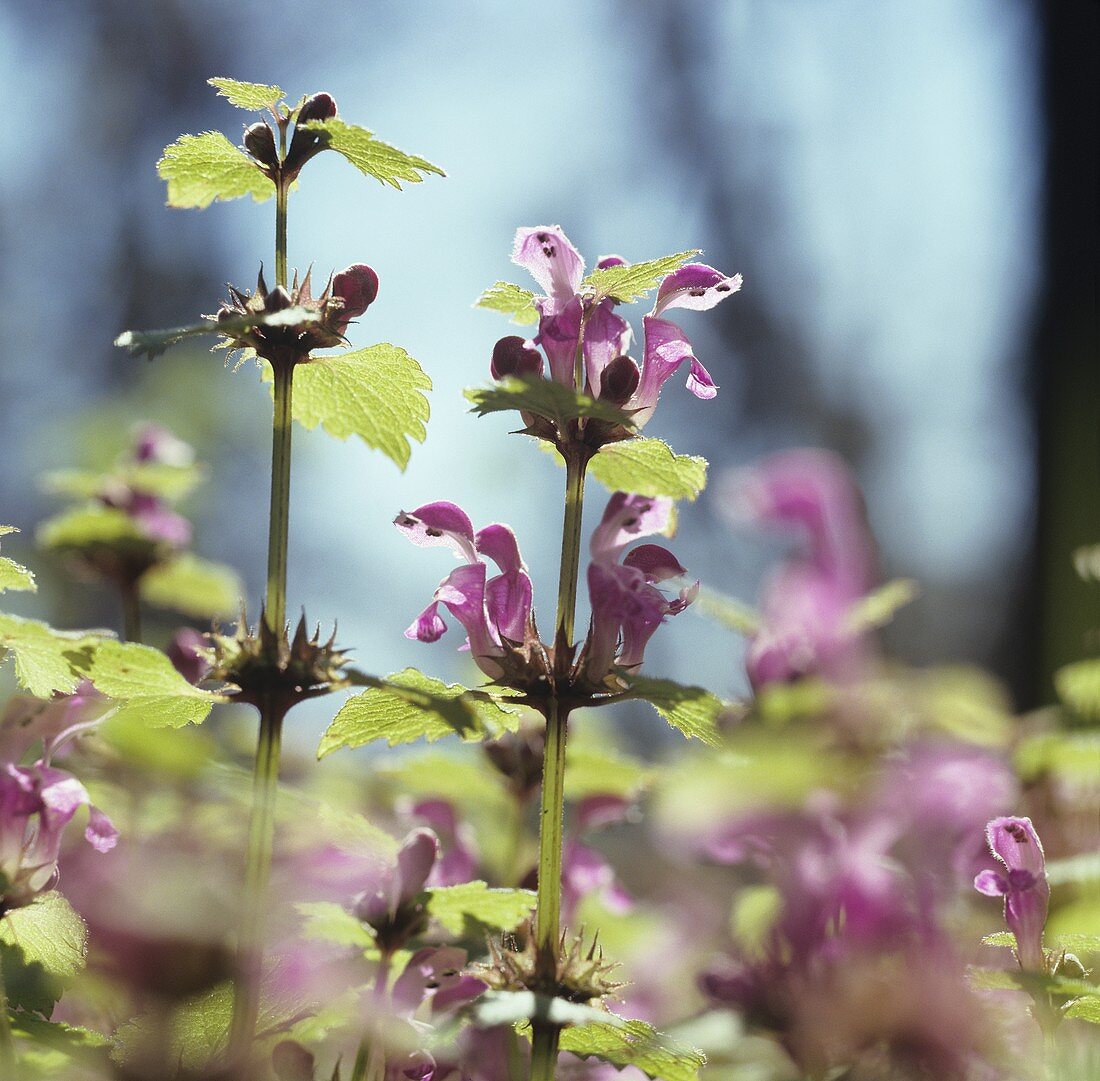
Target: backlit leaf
256 97
370 155
633 280
511 300
201 168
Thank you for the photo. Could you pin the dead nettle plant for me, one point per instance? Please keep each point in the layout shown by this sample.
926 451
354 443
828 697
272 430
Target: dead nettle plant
376 393
578 390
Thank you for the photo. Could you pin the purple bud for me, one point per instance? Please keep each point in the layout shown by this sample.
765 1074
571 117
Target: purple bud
514 355
259 141
187 652
277 300
415 859
292 1062
305 143
357 287
619 380
317 107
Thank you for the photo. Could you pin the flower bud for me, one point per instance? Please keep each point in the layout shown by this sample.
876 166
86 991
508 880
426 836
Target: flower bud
188 653
514 355
292 1062
259 141
305 143
277 300
619 380
357 287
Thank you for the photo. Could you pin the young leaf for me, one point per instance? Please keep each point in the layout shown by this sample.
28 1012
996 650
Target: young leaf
511 300
193 586
591 770
369 155
14 575
151 343
149 688
649 467
731 613
85 527
632 281
374 393
153 478
1078 686
1085 1008
252 96
546 399
692 711
634 1043
201 168
43 657
41 946
326 921
880 605
409 706
457 906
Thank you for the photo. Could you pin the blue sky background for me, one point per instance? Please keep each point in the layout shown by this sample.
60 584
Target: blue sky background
891 152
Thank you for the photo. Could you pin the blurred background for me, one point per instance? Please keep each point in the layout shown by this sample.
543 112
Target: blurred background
909 189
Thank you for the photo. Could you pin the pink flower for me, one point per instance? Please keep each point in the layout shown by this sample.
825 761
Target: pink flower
1023 884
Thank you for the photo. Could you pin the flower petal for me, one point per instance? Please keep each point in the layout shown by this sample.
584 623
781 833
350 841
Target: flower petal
695 286
626 518
428 626
100 833
657 563
436 524
546 253
990 883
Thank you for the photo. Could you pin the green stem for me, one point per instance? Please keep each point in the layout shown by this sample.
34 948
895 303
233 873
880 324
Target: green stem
131 612
7 1042
261 843
282 195
544 1052
544 1046
279 529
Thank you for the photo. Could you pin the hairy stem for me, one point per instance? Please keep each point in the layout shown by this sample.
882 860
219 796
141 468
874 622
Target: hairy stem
261 843
7 1043
131 612
279 528
544 1046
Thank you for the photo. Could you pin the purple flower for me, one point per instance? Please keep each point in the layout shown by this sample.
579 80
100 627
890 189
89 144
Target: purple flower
1023 884
390 903
805 609
189 652
490 609
435 973
38 801
569 322
457 862
627 606
155 444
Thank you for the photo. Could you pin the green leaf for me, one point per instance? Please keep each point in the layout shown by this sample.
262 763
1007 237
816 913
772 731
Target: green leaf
592 771
1078 686
880 605
512 300
649 467
1003 979
545 398
1075 870
1000 938
201 168
14 575
692 711
85 527
634 1043
409 706
151 343
728 611
149 688
1086 1008
632 281
57 1045
252 96
374 393
193 586
369 155
170 482
41 947
456 906
43 657
1071 942
326 921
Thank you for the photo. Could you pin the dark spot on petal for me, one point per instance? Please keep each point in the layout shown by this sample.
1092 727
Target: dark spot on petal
433 532
722 287
548 250
697 292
